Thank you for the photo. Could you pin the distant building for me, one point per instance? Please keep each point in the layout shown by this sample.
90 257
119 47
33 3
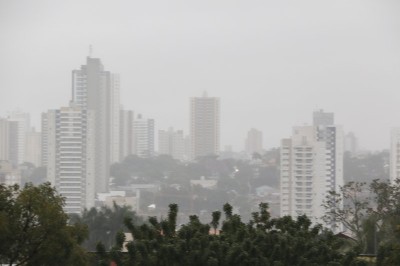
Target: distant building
254 142
9 174
311 166
204 126
120 198
143 132
395 154
350 143
4 139
172 143
69 142
19 125
33 147
321 118
126 134
204 183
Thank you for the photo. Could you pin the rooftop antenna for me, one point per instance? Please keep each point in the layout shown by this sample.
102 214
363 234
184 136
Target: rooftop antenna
90 50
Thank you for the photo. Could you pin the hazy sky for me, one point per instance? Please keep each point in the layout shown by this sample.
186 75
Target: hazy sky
271 62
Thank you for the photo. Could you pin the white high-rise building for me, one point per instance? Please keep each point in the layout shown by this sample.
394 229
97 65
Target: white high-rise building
172 143
97 90
143 132
69 141
254 141
204 126
311 166
395 154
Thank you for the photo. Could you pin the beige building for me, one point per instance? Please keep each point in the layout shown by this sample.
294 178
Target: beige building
254 142
126 134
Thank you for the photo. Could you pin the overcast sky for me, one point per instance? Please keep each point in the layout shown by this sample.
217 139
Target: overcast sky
271 62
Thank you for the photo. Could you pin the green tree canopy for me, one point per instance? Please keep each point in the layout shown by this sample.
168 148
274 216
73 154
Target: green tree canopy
34 229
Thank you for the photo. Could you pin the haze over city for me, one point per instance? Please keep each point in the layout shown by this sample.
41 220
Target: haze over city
271 63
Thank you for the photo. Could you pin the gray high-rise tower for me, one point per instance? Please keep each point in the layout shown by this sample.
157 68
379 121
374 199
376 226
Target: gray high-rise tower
97 91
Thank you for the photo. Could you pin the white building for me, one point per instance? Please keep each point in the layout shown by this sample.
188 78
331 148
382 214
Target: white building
254 141
204 126
97 90
172 143
311 166
69 135
143 132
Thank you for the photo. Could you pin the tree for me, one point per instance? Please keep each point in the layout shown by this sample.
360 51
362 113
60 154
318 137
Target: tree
34 230
374 219
262 241
350 208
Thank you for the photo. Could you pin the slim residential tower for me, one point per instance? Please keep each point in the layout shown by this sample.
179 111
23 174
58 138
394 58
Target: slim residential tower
204 126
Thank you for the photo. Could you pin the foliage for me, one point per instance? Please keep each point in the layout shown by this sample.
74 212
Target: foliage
261 241
34 228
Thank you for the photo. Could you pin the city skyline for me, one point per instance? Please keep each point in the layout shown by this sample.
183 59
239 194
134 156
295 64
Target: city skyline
261 60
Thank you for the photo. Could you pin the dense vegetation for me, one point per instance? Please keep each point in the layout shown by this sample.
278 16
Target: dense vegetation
261 241
34 230
237 181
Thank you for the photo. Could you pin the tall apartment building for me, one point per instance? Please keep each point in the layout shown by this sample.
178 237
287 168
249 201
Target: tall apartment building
311 166
172 143
97 90
143 132
126 136
204 126
395 154
254 141
69 145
